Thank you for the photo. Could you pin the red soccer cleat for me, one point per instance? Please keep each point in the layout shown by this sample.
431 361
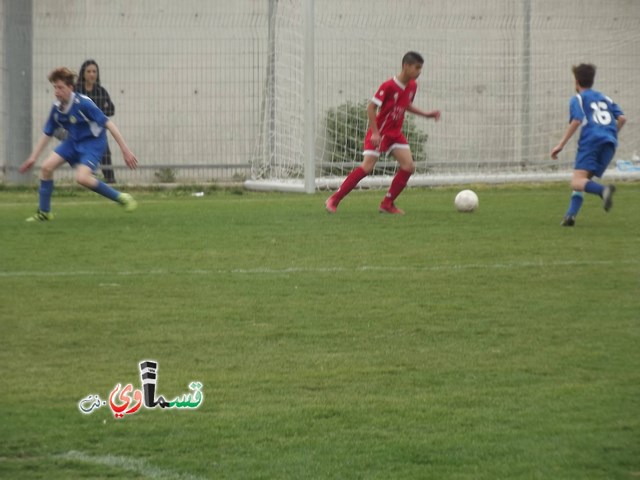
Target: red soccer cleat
390 208
331 204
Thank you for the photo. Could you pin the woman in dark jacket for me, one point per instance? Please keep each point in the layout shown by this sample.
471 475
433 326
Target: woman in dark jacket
89 85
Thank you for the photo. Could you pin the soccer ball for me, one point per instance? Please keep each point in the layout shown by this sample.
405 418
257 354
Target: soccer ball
466 201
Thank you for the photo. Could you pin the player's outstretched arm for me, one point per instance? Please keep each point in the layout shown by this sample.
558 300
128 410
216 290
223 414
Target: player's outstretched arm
435 114
573 126
129 158
372 109
620 122
37 150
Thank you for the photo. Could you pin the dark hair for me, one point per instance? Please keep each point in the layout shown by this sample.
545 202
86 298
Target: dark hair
84 66
64 74
412 58
584 73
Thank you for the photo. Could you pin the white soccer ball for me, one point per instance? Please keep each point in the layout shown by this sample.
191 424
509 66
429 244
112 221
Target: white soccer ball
466 201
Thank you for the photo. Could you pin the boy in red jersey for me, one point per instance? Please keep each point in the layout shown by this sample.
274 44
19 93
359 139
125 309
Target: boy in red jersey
392 99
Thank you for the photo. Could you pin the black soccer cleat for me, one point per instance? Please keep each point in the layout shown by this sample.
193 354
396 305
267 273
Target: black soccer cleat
607 197
568 221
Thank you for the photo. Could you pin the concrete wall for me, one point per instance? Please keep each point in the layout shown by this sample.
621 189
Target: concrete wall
189 79
186 77
16 82
3 75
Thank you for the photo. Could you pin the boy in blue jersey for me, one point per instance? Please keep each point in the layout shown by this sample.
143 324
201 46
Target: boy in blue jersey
601 120
83 148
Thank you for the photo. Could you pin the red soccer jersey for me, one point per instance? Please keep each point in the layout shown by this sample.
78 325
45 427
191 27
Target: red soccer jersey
392 99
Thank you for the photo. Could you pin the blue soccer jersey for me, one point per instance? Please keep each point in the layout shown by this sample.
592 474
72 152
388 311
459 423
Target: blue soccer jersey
598 114
81 118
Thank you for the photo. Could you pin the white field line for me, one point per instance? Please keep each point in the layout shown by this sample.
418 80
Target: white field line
128 464
320 270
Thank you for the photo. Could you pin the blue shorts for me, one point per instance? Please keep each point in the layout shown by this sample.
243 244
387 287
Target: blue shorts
596 159
86 152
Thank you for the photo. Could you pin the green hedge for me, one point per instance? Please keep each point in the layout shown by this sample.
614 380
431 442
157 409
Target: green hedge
346 126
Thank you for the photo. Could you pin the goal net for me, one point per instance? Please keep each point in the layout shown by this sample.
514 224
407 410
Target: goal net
499 70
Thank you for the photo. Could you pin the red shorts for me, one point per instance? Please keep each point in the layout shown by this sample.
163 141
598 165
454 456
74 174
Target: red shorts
388 143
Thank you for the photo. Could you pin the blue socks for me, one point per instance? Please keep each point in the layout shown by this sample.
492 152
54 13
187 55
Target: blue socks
575 204
106 191
46 189
594 188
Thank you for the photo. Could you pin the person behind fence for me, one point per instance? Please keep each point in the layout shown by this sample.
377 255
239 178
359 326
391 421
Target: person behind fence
83 147
391 100
89 85
601 120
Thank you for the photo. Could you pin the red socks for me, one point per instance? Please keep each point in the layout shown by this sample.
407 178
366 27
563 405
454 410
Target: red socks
397 185
350 183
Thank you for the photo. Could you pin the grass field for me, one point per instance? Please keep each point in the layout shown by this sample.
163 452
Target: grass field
438 345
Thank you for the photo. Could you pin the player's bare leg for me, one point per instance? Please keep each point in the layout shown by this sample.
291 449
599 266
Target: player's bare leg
579 180
85 177
50 165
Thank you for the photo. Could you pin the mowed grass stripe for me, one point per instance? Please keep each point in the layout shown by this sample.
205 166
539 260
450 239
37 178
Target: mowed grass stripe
435 345
308 270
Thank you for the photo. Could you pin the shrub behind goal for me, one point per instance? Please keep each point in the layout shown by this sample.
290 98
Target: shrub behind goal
493 68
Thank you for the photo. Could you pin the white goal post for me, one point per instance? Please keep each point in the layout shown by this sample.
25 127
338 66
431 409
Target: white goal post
500 72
